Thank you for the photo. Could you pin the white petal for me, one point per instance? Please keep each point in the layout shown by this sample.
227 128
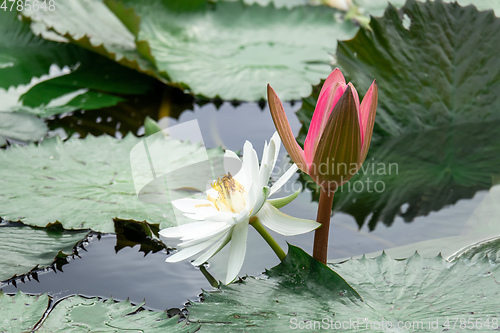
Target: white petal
216 235
250 164
219 245
190 251
232 162
267 164
237 251
193 230
277 145
222 217
284 224
283 179
195 216
260 200
189 205
172 232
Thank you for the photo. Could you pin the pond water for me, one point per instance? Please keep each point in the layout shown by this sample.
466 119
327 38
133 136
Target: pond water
130 274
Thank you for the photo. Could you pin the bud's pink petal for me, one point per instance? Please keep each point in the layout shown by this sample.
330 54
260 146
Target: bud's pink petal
367 113
335 76
356 100
283 126
340 144
326 102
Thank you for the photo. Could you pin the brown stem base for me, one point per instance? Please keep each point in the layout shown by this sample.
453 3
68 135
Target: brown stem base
320 249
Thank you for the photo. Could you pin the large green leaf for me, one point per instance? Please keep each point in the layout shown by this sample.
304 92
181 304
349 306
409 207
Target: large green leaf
107 35
415 290
489 248
228 50
86 183
99 82
24 55
23 248
441 69
233 51
51 78
22 313
377 7
299 286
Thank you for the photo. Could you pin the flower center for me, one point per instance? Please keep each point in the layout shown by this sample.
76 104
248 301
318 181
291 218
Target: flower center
231 195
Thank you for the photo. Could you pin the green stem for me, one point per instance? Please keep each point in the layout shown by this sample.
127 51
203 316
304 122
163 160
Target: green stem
254 221
320 249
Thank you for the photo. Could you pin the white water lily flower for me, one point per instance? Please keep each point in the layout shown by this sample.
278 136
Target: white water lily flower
232 203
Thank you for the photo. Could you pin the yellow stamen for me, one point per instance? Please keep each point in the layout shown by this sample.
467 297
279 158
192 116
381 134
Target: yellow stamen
231 194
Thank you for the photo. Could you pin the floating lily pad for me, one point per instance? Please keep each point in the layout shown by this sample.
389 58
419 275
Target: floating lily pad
377 7
21 313
84 184
234 50
443 68
58 77
489 249
23 248
228 50
107 35
95 83
416 289
24 55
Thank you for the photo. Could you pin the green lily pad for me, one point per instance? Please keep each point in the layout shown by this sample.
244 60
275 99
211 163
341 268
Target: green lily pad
88 81
234 50
209 49
84 184
22 313
23 248
24 55
416 289
299 286
377 7
441 69
489 248
108 36
21 127
100 81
